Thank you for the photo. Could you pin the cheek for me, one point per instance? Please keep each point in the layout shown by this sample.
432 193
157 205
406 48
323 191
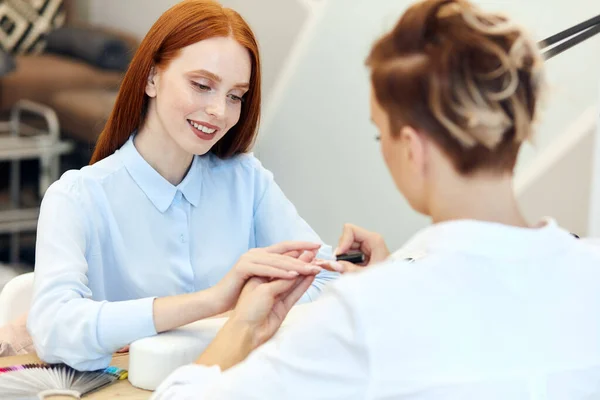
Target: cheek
394 161
179 101
388 154
187 102
234 114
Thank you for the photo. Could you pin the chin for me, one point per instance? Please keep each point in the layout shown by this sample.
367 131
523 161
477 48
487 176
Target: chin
200 150
196 146
420 209
414 202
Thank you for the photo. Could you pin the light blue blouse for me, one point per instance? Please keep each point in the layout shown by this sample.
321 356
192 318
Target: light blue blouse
113 236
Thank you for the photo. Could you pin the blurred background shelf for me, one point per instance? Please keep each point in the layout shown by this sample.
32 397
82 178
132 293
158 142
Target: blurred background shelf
19 220
33 132
62 79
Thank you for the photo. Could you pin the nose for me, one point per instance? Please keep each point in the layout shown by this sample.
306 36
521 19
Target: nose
216 107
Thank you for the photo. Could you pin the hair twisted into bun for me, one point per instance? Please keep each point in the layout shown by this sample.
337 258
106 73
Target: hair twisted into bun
469 79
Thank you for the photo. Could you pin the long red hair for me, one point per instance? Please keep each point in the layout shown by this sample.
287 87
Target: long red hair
184 24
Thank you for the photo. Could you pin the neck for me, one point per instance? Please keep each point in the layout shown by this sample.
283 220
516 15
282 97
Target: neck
162 152
482 197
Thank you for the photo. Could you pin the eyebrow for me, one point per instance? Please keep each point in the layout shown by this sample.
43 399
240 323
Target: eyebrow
218 79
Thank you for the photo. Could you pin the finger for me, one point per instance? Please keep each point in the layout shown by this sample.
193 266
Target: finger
278 287
294 253
330 265
350 237
252 284
266 271
350 268
284 247
285 263
307 256
296 293
123 349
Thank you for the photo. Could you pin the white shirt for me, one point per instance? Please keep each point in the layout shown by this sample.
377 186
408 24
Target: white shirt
115 235
486 311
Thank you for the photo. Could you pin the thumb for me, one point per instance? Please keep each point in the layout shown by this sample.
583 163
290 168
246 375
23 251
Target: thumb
307 256
287 247
293 253
297 292
347 239
350 268
277 287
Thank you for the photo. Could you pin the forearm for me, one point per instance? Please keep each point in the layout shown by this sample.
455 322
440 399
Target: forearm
58 319
175 311
68 333
231 346
226 314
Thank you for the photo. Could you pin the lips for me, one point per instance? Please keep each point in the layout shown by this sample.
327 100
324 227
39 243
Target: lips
202 130
203 127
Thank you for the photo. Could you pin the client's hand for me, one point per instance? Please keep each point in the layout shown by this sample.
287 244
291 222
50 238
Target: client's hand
356 238
124 349
263 305
286 260
261 308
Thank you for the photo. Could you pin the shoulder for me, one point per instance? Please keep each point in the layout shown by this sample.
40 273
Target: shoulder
245 163
246 160
78 182
587 250
593 243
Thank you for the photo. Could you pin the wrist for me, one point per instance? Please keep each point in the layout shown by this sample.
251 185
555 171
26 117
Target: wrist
246 331
234 342
218 299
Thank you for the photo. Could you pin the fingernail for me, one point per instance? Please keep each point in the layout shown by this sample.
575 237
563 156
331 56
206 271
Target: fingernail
336 251
315 269
337 266
293 273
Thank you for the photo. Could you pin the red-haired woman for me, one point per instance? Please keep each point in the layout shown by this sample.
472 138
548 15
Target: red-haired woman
173 216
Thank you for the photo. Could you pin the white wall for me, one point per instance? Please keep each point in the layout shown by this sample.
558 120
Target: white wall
572 76
594 228
559 182
318 139
276 24
133 16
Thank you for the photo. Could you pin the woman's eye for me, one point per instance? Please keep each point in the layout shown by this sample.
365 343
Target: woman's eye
235 98
201 86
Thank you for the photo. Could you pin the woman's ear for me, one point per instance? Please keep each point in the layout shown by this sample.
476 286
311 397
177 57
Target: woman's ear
151 83
413 147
